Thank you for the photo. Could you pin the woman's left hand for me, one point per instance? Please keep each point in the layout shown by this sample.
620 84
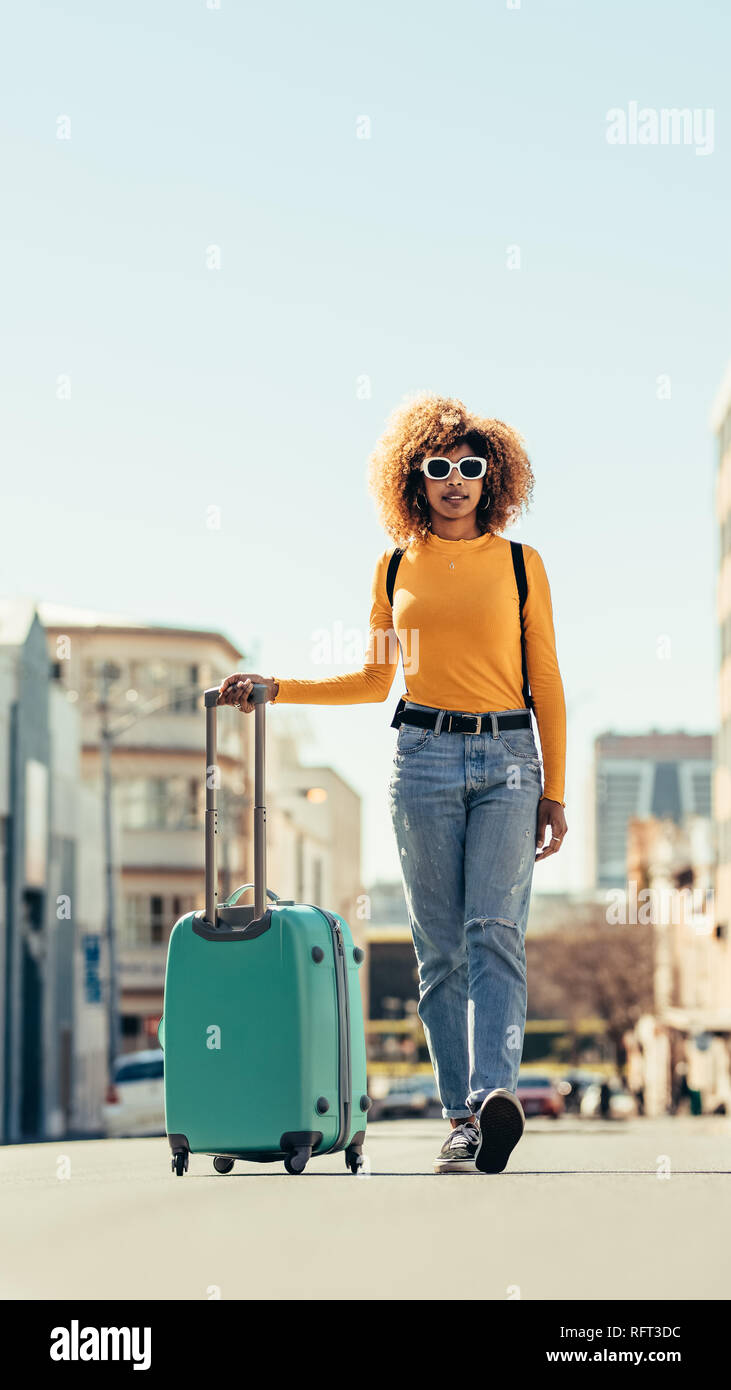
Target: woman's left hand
550 813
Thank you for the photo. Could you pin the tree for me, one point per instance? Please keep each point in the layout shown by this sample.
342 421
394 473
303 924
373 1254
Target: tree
595 969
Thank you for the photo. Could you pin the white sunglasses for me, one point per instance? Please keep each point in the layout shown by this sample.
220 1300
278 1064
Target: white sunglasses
440 468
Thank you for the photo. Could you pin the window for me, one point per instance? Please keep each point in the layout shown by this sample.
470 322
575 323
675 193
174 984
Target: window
135 918
157 919
149 1070
159 803
177 680
185 689
148 919
93 668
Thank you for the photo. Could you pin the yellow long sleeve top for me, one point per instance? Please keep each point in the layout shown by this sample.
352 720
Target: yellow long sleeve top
456 620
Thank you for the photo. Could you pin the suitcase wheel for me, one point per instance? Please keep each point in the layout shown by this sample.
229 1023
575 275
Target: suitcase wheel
296 1162
354 1159
223 1165
180 1162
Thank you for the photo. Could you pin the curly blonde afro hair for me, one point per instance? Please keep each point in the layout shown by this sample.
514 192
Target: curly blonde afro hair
428 424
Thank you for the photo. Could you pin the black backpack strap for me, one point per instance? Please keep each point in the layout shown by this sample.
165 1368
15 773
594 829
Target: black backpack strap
393 565
398 714
516 551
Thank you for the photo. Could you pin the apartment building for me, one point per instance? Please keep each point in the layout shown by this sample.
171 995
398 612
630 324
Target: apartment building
721 425
151 678
671 874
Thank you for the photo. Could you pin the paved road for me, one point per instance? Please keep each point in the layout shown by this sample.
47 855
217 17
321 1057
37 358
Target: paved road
580 1213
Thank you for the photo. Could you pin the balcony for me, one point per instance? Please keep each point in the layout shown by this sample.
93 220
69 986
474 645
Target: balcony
167 730
142 968
162 849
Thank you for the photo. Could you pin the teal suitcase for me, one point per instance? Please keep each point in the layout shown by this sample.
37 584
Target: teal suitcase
262 1028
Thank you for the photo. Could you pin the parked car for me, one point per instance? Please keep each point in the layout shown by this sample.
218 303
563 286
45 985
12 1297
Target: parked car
407 1097
135 1101
573 1086
621 1103
539 1095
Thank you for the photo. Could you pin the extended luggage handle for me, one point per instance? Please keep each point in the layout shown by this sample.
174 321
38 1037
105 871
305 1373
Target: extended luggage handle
228 913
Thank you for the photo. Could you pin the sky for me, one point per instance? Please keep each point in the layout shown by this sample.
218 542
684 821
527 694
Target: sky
237 236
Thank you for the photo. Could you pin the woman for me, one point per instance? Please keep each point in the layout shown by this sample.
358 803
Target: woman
466 800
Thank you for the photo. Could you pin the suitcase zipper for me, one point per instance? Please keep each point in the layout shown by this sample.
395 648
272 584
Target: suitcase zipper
344 1065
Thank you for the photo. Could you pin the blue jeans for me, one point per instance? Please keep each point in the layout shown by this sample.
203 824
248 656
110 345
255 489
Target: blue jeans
464 809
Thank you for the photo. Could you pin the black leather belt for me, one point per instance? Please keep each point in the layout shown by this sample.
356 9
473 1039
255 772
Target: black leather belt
461 723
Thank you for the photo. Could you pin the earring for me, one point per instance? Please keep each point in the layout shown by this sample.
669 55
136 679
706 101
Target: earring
485 503
418 501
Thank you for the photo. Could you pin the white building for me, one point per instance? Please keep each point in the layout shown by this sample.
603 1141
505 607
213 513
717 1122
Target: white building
52 1048
689 1029
721 425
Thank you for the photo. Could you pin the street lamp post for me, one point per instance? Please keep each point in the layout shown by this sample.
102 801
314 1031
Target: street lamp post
110 672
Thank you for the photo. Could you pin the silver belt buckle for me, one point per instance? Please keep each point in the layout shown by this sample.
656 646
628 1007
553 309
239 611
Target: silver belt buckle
478 717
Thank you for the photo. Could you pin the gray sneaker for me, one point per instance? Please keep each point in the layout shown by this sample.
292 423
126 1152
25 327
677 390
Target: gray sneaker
457 1153
501 1121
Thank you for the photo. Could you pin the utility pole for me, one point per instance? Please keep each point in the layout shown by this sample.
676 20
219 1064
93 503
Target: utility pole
110 672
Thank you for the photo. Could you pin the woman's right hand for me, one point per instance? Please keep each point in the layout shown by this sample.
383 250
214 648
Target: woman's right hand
236 689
